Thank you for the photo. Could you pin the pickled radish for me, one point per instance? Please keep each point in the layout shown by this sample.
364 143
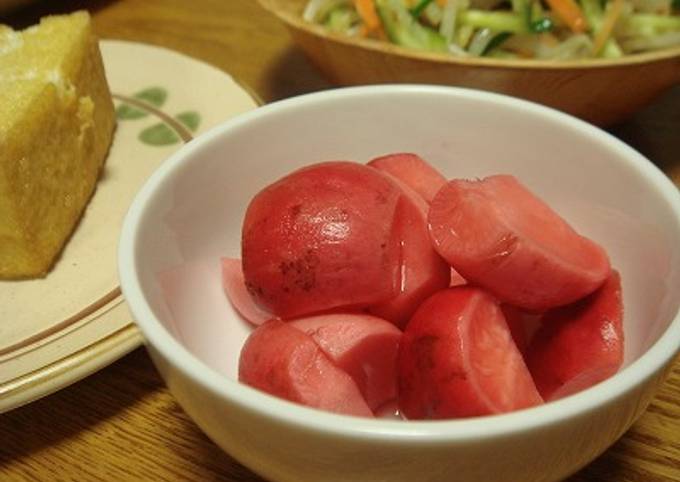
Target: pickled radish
286 362
322 238
579 345
503 305
457 359
412 170
235 288
499 236
364 347
423 271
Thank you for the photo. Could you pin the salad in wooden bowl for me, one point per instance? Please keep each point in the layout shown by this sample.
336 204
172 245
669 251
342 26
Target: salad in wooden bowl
600 60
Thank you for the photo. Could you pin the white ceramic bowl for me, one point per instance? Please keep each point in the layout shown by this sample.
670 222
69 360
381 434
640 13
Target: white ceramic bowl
190 212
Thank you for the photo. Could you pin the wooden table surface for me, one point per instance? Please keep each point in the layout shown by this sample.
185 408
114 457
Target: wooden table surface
122 423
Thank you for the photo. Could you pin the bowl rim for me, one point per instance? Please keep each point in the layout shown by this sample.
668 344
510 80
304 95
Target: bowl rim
296 22
651 363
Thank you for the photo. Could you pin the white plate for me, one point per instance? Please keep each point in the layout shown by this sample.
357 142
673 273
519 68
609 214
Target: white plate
57 330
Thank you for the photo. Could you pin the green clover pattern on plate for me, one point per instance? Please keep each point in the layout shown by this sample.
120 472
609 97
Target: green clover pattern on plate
171 130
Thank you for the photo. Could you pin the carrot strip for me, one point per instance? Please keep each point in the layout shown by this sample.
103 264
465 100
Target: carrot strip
570 12
608 23
366 10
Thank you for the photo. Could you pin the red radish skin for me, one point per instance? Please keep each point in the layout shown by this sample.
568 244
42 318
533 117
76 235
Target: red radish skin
412 170
285 362
363 346
235 288
322 238
579 345
501 237
457 359
423 271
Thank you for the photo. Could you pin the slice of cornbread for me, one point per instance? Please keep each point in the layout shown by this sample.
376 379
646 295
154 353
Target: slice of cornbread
56 125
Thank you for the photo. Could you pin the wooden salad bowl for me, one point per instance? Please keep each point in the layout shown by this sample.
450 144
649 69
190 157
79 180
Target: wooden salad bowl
601 91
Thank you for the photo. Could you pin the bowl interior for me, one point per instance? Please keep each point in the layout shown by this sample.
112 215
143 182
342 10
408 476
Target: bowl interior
194 205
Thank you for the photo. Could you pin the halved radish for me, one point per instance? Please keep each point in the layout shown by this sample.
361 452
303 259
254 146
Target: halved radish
499 236
321 238
423 271
457 359
413 171
235 288
579 345
285 362
364 347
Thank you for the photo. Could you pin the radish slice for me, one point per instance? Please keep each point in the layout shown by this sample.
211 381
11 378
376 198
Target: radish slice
423 271
285 362
457 359
412 170
322 238
579 345
365 347
235 288
501 237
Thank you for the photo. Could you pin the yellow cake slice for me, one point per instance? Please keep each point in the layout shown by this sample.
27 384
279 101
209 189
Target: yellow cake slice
56 125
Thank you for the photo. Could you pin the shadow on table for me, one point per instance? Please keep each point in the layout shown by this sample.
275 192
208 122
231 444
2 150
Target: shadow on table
655 132
79 408
293 74
102 410
606 468
216 465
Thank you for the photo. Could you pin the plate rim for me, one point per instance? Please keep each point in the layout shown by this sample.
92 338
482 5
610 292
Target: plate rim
54 376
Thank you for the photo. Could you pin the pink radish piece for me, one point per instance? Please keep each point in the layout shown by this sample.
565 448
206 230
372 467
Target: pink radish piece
423 271
235 289
365 347
456 279
501 237
457 359
579 345
412 170
322 238
285 362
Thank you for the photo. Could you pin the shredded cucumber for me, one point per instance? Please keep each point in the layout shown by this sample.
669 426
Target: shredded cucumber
404 30
495 42
342 19
420 7
496 21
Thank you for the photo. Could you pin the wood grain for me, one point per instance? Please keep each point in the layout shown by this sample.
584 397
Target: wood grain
122 423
